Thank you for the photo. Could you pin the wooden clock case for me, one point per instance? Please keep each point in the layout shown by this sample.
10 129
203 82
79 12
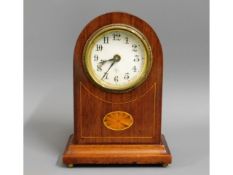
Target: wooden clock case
92 142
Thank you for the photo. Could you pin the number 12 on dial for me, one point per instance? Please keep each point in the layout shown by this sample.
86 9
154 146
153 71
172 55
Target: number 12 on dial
117 59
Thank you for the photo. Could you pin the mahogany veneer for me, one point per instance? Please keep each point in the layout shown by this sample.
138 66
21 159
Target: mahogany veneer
141 143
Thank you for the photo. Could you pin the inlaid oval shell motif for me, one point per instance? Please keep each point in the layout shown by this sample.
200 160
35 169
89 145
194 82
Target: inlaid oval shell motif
118 120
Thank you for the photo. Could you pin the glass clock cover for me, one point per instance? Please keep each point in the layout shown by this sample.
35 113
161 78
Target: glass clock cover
117 57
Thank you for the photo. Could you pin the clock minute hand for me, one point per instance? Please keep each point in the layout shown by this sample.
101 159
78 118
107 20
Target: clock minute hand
108 69
115 59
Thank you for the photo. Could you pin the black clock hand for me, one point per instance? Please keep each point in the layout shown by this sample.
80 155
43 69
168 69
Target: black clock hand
115 59
102 62
108 69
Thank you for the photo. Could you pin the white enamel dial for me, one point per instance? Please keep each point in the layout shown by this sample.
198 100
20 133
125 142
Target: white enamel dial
117 59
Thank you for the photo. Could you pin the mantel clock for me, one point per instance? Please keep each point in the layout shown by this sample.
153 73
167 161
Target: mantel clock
117 77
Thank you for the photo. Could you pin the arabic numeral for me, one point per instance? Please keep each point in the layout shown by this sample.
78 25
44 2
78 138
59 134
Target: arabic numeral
99 47
116 36
99 68
136 59
134 46
106 40
126 76
116 79
106 76
96 57
126 40
134 69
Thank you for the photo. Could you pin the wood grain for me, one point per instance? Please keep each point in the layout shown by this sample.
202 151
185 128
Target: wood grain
92 142
118 120
117 154
90 101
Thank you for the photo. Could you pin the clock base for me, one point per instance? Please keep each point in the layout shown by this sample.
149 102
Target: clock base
117 154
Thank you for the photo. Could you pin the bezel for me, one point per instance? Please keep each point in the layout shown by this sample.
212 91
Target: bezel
107 86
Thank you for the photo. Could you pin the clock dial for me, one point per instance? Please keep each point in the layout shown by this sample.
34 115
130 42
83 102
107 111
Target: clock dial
118 58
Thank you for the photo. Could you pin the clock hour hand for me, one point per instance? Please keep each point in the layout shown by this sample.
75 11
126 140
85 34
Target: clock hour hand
102 62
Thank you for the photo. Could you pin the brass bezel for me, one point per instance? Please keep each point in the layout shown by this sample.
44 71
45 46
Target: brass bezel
87 61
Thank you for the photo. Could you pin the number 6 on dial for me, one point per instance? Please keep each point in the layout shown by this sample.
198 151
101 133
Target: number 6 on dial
117 57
